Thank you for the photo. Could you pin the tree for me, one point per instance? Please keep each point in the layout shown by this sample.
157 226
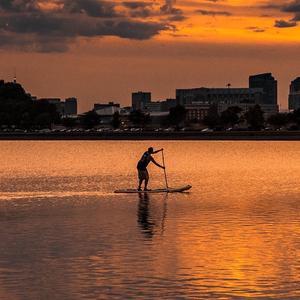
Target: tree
278 120
18 109
69 122
212 119
295 116
43 120
177 116
255 117
116 122
230 116
90 119
138 118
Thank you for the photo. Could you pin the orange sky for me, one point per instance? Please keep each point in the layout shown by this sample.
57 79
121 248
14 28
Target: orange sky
103 50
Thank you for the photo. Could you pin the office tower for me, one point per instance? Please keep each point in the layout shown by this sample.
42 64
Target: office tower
269 85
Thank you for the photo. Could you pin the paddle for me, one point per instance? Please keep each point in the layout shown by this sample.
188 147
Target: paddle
163 159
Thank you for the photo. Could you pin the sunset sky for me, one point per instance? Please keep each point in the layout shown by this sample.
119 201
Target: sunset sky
101 51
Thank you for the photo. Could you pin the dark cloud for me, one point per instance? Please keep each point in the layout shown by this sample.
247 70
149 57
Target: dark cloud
139 9
137 4
213 13
60 26
93 8
284 24
291 7
169 9
177 18
19 5
25 25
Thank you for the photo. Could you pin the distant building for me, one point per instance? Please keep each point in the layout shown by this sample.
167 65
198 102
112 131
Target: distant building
106 109
268 84
294 96
197 111
140 100
231 96
57 102
167 104
64 108
152 106
70 108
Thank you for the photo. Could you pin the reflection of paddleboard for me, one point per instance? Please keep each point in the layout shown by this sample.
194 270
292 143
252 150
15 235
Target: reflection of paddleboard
168 190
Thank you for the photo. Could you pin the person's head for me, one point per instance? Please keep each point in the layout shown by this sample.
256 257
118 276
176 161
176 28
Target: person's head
150 150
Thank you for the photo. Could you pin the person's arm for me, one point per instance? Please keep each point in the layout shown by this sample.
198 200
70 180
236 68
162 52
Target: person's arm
158 151
157 164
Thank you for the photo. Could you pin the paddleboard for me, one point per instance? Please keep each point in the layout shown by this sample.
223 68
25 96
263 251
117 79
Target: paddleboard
169 190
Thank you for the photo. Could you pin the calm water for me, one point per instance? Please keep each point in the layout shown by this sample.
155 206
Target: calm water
65 235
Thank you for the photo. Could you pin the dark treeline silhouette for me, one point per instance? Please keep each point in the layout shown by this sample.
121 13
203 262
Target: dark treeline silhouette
177 116
19 110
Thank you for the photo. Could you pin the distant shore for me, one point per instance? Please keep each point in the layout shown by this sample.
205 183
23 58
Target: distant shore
186 135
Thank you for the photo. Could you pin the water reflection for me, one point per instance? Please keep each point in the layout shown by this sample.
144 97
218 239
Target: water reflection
151 215
145 220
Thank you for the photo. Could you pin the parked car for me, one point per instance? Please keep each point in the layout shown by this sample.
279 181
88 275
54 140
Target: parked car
207 130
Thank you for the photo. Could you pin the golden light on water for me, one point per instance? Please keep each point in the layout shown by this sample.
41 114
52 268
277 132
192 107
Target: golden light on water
235 235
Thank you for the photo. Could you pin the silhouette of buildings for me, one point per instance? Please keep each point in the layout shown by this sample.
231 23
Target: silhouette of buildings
140 100
268 84
65 108
262 91
294 95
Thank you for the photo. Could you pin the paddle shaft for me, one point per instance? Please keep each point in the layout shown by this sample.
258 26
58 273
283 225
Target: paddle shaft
163 159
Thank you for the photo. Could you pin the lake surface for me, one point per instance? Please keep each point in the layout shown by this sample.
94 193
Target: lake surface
65 235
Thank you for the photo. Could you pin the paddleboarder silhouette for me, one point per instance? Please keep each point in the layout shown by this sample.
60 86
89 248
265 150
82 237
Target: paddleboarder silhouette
142 167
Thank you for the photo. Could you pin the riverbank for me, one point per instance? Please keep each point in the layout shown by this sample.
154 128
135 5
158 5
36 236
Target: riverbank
191 135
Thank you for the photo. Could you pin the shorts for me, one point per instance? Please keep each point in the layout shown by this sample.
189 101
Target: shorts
143 174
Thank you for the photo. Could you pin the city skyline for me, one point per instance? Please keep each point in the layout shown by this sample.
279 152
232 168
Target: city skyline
121 46
264 83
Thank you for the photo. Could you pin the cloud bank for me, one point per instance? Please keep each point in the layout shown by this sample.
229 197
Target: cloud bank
40 25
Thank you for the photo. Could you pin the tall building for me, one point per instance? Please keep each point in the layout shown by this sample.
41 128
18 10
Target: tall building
140 100
294 96
269 85
71 106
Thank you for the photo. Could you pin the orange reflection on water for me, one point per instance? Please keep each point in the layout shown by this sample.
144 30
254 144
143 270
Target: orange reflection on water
235 235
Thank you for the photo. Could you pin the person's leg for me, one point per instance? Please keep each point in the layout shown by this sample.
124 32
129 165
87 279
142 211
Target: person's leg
140 180
146 180
140 184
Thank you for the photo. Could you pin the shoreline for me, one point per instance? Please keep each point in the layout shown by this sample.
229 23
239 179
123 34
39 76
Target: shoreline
140 136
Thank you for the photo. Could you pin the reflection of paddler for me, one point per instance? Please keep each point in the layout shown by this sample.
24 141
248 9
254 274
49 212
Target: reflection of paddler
144 219
142 167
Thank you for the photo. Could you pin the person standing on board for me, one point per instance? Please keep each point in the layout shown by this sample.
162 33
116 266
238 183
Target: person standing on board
142 167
